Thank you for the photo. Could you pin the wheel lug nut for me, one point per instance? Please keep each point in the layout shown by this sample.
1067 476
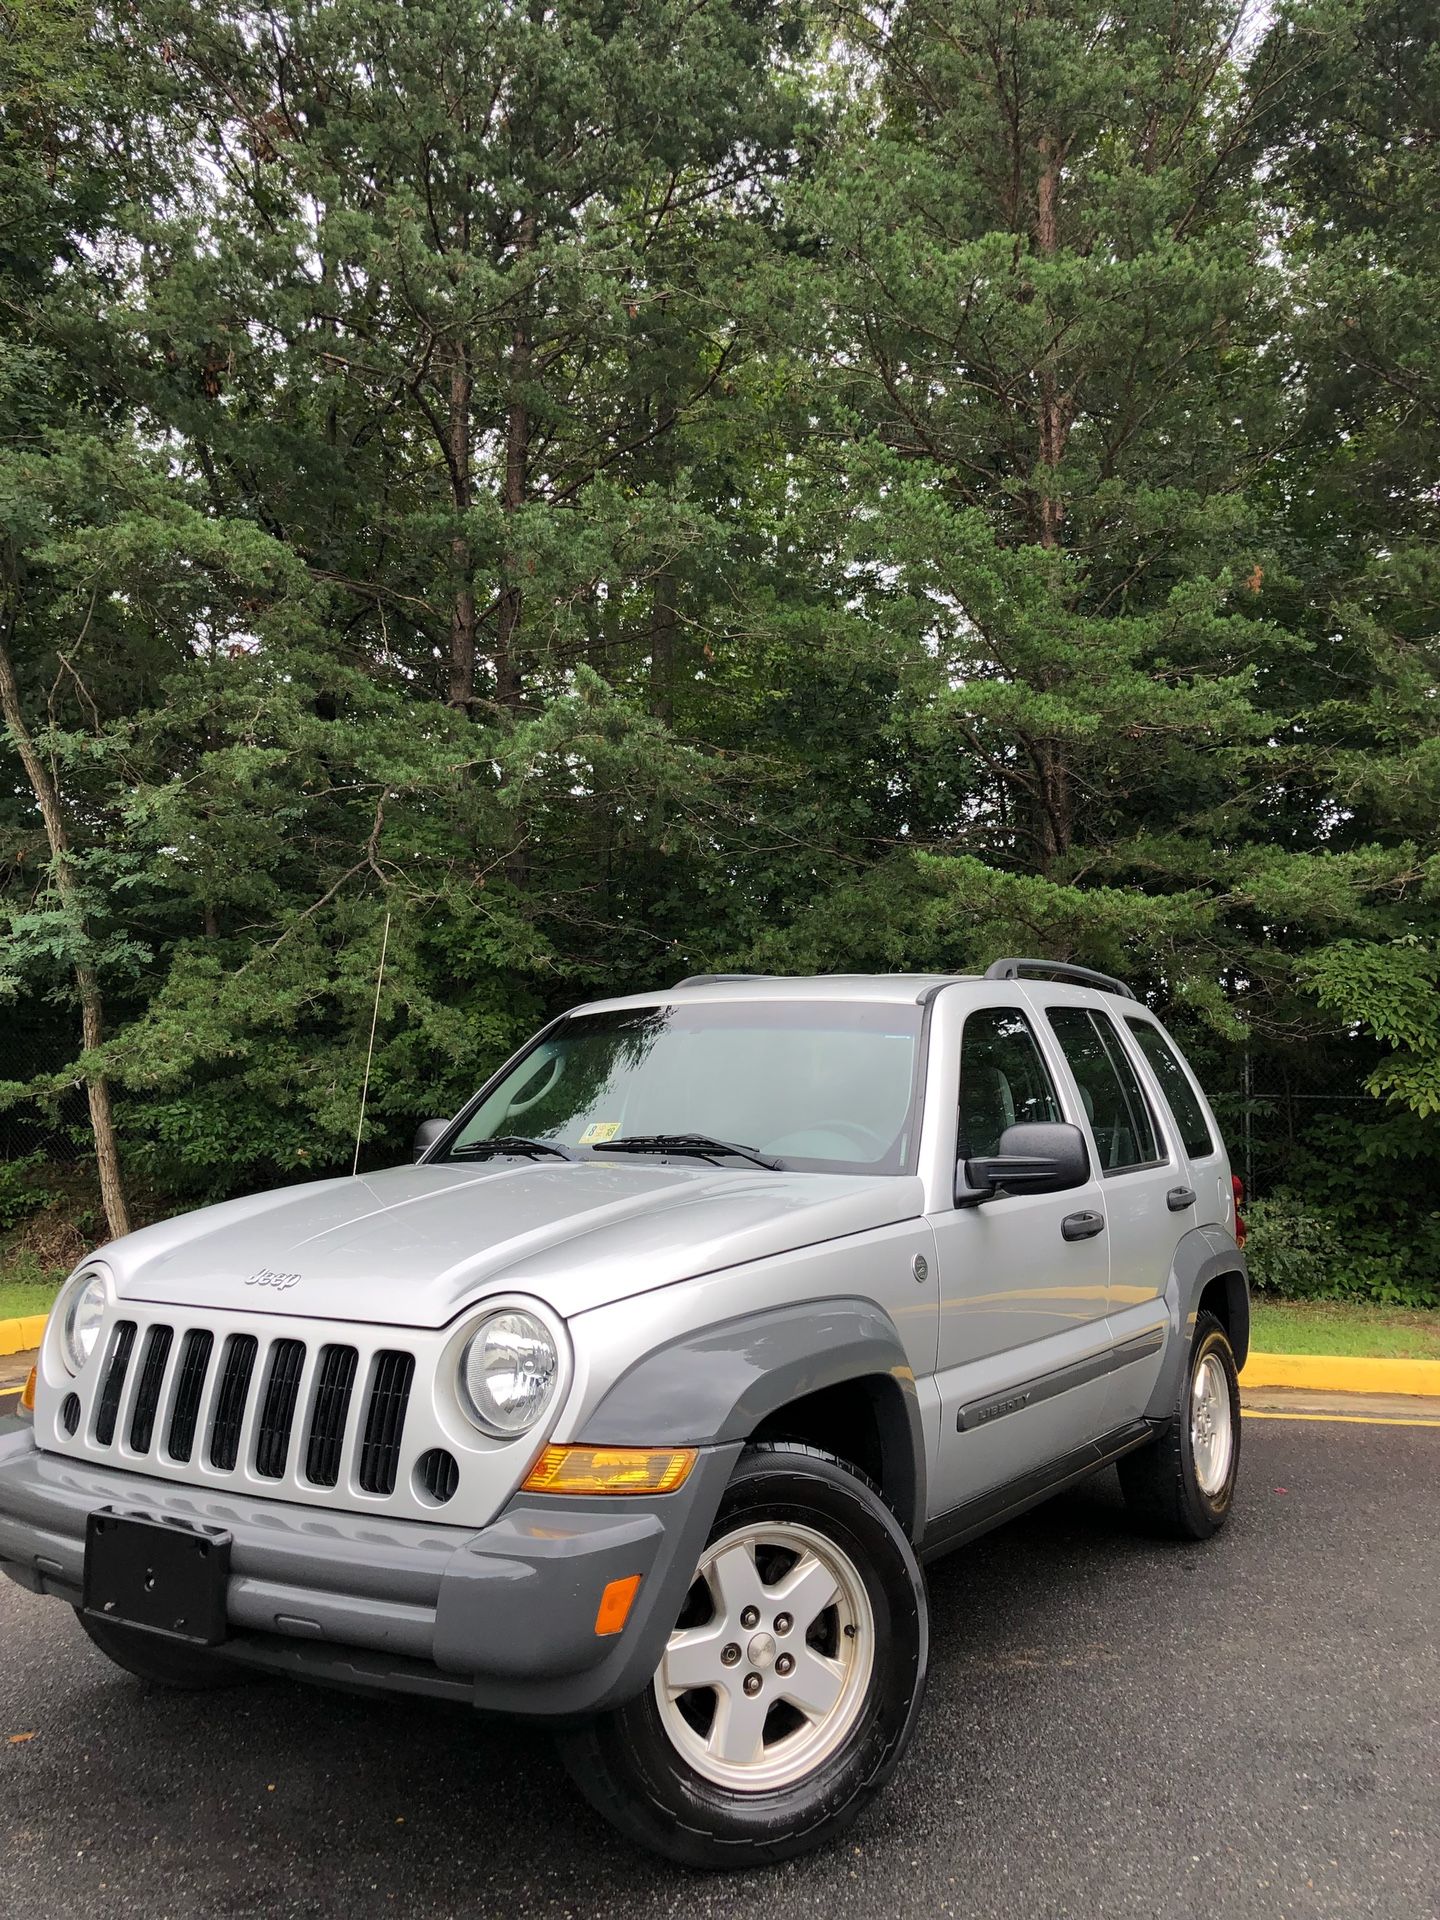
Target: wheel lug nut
729 1655
750 1617
783 1623
753 1683
785 1664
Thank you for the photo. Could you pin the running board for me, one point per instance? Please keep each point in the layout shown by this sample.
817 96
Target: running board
1002 1503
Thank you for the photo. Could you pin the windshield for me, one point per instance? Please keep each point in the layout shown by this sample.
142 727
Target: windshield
823 1087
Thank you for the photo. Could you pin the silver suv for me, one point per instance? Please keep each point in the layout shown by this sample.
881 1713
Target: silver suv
639 1401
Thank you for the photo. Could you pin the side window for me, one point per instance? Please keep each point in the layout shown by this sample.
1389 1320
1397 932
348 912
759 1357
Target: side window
1119 1116
1003 1079
1191 1124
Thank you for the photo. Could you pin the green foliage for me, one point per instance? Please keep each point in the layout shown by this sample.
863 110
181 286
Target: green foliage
1393 992
21 1191
1298 1250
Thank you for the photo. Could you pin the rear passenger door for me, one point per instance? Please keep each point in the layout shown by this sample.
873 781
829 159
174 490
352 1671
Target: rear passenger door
1148 1203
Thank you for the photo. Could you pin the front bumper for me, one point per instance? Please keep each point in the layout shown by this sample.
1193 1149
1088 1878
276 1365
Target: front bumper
503 1618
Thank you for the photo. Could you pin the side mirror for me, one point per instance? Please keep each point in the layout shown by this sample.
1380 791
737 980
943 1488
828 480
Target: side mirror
426 1134
1042 1156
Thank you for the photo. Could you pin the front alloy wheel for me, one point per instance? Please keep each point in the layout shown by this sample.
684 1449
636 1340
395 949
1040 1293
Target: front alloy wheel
768 1669
791 1682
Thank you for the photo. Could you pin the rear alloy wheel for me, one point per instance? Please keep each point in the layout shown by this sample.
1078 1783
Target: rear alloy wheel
791 1682
1183 1483
1212 1427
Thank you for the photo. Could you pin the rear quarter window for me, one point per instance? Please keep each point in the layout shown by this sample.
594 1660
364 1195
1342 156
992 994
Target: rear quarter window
1164 1061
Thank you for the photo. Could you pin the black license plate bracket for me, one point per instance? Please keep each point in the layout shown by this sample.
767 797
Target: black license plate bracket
163 1576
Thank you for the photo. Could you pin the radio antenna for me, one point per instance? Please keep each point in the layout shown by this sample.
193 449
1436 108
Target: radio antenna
370 1050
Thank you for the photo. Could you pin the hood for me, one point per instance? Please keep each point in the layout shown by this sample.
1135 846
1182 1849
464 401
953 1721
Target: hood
413 1246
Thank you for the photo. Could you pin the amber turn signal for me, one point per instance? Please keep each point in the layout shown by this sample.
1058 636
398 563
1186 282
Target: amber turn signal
610 1470
615 1604
27 1393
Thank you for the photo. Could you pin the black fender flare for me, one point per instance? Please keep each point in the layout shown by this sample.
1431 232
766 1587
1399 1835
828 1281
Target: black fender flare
1204 1254
718 1385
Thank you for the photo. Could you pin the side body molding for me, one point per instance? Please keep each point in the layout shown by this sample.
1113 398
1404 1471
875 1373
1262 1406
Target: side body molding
718 1385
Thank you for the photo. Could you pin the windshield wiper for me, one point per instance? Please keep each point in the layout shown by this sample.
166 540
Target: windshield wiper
700 1144
509 1143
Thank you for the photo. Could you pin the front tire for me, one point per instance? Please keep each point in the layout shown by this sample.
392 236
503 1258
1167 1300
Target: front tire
792 1681
161 1662
1182 1484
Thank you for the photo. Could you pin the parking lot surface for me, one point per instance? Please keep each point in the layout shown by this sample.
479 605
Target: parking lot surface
1113 1727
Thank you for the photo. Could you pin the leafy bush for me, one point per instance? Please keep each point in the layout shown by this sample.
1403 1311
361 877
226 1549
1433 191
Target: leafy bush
1302 1253
22 1191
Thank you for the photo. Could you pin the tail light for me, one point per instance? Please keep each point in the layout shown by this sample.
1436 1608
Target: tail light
1238 1187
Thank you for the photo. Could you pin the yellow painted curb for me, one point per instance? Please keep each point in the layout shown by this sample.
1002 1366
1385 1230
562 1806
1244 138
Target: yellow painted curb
1342 1419
1340 1373
18 1336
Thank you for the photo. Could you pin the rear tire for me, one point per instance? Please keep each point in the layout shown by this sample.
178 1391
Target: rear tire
1182 1484
161 1662
791 1684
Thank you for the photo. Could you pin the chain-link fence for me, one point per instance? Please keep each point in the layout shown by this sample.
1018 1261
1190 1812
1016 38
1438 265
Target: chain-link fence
1272 1106
54 1126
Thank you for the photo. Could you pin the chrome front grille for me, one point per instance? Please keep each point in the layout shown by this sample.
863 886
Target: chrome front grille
336 1415
245 1407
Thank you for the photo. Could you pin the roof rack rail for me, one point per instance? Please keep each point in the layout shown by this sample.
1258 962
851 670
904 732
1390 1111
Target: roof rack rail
710 979
1057 970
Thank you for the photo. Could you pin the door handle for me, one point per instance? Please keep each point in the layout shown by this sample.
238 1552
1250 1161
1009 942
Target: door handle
1082 1226
1179 1198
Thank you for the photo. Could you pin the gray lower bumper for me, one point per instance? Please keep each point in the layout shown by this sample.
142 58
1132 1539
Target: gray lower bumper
504 1617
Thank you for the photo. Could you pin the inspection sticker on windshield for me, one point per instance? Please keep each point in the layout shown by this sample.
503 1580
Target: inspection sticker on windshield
599 1131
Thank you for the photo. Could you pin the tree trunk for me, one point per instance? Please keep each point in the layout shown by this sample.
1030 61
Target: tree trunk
1054 822
87 984
1054 424
663 622
513 492
462 613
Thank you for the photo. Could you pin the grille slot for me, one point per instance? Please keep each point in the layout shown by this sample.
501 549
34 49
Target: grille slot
438 1474
195 1351
109 1408
70 1412
236 1366
385 1421
147 1393
277 1410
334 1384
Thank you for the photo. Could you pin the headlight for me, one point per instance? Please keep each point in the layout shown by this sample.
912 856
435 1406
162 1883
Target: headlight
508 1372
82 1315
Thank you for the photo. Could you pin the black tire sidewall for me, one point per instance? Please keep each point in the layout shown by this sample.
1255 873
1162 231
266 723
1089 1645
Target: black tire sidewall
677 1810
1210 1512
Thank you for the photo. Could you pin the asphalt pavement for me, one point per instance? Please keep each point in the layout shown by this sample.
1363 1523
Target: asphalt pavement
1113 1727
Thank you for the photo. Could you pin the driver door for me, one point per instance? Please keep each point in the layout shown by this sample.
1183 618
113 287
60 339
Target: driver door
1024 1281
